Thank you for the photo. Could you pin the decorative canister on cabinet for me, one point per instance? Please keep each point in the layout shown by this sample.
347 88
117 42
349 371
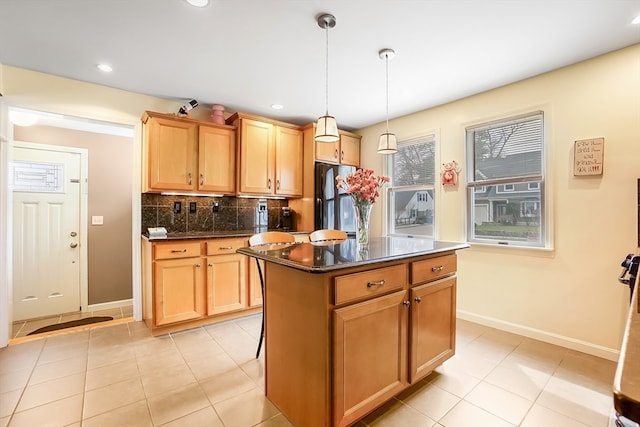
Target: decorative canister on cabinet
217 114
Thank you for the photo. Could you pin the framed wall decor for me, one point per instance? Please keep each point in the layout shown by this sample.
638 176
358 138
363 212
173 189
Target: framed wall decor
588 157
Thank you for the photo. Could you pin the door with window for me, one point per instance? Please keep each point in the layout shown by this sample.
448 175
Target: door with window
45 182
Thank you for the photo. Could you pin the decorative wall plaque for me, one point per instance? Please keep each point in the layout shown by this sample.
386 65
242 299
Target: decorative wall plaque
588 157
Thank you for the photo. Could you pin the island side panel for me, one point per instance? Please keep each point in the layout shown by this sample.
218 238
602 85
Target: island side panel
297 336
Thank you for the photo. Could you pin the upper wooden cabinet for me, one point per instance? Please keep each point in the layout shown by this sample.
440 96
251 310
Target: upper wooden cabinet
182 154
346 151
269 156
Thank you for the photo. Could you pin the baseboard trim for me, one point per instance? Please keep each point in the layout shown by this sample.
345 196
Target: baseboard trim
110 304
549 337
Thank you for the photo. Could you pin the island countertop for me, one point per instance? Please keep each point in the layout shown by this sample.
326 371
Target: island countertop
328 256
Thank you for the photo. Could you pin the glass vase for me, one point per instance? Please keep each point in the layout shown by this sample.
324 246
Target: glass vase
363 215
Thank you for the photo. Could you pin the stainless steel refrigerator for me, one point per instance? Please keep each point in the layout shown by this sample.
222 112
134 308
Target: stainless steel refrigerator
333 207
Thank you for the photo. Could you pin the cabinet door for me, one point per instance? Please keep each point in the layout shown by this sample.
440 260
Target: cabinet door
226 283
328 152
369 355
216 160
178 291
256 157
172 146
349 150
288 162
433 325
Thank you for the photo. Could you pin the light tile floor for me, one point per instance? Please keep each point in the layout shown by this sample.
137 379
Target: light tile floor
122 376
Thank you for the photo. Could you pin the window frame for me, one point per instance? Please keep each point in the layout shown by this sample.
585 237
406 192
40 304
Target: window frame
392 190
532 181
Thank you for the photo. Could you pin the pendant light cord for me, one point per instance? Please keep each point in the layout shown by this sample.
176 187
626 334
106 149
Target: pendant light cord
386 62
326 85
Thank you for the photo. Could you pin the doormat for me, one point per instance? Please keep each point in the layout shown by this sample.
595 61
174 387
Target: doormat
71 324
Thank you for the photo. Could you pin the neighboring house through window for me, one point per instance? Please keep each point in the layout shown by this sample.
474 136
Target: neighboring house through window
505 160
411 190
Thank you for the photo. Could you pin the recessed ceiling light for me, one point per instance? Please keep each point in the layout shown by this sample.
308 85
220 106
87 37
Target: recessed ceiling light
105 67
636 20
198 3
277 106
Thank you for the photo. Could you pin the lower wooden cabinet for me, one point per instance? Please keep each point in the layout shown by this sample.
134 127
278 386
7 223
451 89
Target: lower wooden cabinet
194 282
178 290
433 326
226 283
369 355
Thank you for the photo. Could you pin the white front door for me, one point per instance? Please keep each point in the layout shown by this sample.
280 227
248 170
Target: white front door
45 183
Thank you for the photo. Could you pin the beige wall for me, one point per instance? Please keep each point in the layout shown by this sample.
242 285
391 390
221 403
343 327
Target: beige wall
109 268
38 91
569 294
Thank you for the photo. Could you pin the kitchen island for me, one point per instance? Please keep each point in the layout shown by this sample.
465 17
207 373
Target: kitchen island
346 329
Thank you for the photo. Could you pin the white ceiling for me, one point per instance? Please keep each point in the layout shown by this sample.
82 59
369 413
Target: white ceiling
249 54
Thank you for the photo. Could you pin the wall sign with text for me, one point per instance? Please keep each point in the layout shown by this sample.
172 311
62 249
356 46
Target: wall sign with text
588 157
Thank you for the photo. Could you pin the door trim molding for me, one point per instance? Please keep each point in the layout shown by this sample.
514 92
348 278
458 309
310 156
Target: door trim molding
84 206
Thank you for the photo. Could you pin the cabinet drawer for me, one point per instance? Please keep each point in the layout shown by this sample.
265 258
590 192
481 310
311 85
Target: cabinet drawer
225 246
432 268
369 283
177 250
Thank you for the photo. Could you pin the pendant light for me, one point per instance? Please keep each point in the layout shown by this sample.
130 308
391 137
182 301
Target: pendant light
327 127
388 144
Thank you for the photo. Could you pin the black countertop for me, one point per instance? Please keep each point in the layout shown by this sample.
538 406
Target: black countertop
320 258
212 234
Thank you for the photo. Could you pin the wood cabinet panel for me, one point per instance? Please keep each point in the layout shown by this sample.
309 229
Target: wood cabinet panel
178 290
433 325
256 157
349 149
328 152
216 160
288 162
433 268
226 283
176 250
368 284
171 154
366 373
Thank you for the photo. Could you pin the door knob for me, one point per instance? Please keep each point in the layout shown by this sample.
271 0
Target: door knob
74 245
73 234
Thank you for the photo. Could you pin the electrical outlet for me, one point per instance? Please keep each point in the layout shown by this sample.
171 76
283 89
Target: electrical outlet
193 207
215 208
177 207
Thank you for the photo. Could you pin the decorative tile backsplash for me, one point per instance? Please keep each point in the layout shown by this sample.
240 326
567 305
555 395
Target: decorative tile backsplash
234 213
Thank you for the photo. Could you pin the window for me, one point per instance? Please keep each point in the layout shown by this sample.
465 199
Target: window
411 190
505 159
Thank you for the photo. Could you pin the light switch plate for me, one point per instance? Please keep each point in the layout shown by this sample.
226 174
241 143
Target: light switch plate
97 220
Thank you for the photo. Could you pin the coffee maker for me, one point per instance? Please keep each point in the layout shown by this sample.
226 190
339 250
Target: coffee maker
286 219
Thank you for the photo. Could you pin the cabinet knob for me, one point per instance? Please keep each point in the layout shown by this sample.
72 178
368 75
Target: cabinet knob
222 248
417 299
438 268
189 178
336 154
210 265
378 283
73 245
406 303
342 157
269 183
178 251
198 265
277 184
201 179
